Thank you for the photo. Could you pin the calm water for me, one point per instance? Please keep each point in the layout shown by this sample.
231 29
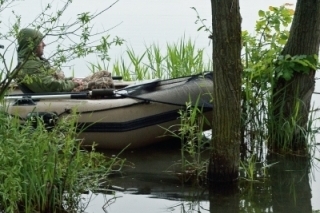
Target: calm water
149 187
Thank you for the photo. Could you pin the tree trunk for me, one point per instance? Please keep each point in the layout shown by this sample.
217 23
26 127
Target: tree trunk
227 70
291 98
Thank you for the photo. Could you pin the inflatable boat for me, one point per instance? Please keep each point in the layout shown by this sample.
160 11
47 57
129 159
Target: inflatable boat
129 116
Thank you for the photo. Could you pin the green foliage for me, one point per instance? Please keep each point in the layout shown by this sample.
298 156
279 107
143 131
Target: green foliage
260 51
46 170
286 65
264 66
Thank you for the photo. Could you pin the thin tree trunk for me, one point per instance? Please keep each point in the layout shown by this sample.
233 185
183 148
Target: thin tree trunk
227 69
291 99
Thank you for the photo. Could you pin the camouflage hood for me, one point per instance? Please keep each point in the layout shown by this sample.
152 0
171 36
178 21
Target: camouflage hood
28 40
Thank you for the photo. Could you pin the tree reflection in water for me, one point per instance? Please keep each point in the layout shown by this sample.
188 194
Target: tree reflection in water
290 184
284 188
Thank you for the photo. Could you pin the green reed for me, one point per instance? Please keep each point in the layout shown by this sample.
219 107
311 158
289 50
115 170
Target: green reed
184 59
193 144
93 67
156 61
177 60
287 135
46 170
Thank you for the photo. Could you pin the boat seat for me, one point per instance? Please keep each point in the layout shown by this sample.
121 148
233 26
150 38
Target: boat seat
24 88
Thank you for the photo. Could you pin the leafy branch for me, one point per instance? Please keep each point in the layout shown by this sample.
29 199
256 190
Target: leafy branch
287 65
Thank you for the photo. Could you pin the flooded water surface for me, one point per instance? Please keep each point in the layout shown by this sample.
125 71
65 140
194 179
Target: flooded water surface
148 184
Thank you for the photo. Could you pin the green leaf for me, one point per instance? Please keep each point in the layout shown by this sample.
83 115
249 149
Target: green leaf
287 57
287 75
284 37
261 13
200 28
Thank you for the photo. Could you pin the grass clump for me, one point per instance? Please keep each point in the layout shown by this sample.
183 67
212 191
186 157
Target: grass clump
46 170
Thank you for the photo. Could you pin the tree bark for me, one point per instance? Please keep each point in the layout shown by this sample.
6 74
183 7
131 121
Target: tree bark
291 99
227 70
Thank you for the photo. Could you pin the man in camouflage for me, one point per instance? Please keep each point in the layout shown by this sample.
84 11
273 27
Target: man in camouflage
39 76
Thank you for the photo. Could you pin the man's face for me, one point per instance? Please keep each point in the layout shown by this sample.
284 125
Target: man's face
40 48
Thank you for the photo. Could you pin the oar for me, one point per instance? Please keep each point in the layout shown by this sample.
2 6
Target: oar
46 96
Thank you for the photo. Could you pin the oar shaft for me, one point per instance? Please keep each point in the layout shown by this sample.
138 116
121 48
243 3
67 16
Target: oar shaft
62 96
